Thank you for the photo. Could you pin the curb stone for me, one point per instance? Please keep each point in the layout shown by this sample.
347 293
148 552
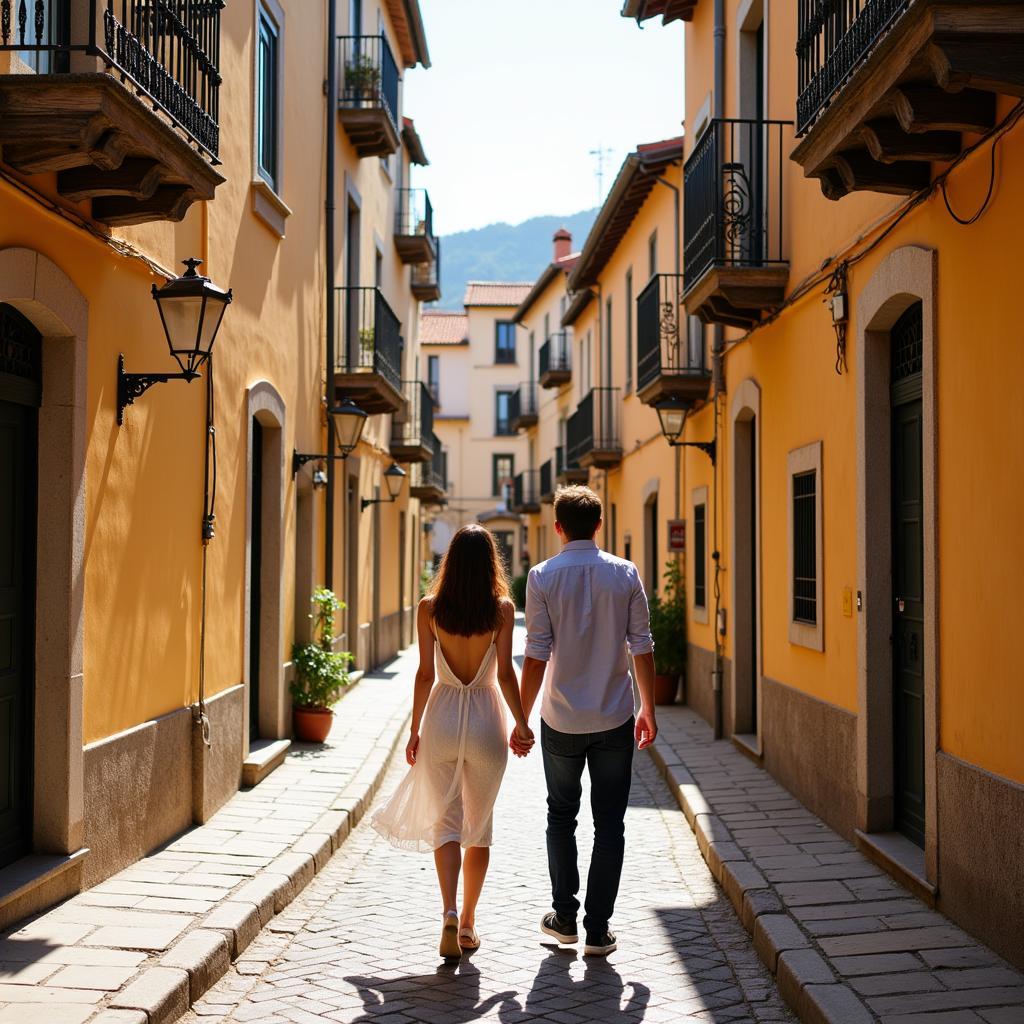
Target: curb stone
161 992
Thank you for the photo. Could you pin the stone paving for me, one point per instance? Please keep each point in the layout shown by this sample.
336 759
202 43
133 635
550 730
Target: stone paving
846 942
360 944
139 947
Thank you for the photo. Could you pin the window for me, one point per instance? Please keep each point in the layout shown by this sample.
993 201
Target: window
504 342
652 254
547 324
805 547
805 568
267 100
502 419
434 378
503 468
629 330
606 370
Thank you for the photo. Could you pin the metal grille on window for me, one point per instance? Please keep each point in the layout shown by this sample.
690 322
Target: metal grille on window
700 583
907 343
805 558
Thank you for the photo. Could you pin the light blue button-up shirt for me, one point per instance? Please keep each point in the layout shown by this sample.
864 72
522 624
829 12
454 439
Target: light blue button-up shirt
584 610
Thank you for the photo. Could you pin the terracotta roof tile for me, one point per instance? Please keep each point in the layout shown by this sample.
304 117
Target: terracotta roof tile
440 328
496 293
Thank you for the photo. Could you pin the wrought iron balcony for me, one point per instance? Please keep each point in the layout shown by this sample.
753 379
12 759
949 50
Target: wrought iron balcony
547 482
426 277
368 94
670 359
412 429
368 350
592 432
734 268
554 360
414 226
886 87
428 481
525 494
118 97
568 472
522 408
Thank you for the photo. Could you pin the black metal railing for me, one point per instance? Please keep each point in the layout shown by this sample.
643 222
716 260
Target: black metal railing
594 425
414 214
522 404
732 198
554 353
368 75
168 49
834 37
417 428
524 490
370 339
547 478
433 474
664 346
428 275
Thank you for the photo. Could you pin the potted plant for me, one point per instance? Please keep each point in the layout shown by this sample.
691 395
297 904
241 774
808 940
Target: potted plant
668 628
362 78
321 673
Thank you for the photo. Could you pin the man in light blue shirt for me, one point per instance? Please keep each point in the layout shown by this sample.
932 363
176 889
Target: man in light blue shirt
585 610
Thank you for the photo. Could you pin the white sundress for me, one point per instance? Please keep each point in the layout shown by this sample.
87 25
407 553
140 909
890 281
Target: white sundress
448 795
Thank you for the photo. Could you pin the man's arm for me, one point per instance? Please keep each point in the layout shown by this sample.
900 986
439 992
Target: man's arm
533 677
539 642
646 722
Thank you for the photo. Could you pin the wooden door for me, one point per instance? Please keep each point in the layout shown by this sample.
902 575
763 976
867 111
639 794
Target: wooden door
255 579
908 578
20 352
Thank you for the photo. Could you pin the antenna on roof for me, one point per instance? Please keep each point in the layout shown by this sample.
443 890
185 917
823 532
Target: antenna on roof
599 154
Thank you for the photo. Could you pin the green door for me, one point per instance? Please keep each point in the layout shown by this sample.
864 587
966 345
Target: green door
20 349
908 578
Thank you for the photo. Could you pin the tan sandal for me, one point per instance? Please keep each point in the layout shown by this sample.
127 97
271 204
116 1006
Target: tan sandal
450 948
468 938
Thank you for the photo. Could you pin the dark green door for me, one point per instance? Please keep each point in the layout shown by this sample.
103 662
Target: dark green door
908 577
255 579
20 351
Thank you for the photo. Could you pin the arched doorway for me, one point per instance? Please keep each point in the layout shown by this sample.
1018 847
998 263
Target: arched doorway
20 398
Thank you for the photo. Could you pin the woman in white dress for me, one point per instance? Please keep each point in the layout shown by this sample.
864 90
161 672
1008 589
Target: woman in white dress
458 743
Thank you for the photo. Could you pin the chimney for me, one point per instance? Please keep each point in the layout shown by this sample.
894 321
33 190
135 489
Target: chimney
563 244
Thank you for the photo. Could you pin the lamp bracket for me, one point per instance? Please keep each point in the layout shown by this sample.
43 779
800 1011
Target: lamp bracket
132 385
299 459
365 503
709 448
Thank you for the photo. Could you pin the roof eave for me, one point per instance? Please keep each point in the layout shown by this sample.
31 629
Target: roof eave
579 303
414 144
549 273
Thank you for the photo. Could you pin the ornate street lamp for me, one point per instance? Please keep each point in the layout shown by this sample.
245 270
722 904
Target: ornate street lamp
347 421
672 413
393 477
191 309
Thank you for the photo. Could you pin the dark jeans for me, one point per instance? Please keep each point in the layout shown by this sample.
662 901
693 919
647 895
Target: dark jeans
609 758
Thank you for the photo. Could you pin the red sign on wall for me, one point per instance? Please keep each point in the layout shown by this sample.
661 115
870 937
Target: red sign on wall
677 535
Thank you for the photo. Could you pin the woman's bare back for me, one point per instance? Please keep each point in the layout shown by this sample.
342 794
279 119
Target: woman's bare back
464 654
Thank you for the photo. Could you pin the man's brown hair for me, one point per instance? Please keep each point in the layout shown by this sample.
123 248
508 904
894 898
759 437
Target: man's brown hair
578 509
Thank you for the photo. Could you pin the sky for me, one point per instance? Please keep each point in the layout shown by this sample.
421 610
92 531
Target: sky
520 92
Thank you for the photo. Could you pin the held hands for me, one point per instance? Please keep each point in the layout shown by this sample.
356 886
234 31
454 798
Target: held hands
412 748
521 741
646 728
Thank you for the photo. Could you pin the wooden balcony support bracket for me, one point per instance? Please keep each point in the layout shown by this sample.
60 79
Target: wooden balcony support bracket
737 296
931 77
105 143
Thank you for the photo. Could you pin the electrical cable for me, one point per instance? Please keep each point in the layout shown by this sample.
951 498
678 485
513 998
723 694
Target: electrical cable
988 195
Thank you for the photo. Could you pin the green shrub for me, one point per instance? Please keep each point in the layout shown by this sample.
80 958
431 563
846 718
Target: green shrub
321 673
519 592
668 623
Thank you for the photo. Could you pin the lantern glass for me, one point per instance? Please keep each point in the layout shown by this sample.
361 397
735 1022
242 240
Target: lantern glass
349 421
393 477
672 414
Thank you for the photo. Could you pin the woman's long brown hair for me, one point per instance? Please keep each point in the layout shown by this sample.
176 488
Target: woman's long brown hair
470 584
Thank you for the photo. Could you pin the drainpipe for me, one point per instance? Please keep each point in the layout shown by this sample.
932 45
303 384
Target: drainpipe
718 376
332 94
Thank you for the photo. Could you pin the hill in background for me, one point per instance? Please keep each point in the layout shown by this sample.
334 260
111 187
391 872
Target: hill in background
503 252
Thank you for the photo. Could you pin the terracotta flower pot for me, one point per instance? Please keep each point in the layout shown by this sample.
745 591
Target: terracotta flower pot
312 724
665 689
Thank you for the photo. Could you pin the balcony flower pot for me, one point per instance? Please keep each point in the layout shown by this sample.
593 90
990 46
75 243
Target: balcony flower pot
668 628
321 673
362 78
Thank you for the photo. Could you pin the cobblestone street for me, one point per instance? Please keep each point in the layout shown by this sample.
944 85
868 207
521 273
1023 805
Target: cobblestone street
360 944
